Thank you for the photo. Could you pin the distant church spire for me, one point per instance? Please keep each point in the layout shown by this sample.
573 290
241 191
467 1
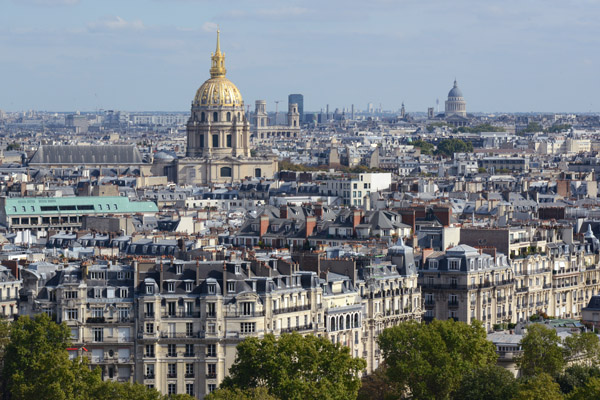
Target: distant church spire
217 70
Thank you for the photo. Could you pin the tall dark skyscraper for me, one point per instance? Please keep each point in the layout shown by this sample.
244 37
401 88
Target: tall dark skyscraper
298 99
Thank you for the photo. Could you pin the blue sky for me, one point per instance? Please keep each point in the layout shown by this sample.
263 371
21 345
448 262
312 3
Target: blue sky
511 55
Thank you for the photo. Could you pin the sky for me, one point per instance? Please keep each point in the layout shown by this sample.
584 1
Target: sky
152 55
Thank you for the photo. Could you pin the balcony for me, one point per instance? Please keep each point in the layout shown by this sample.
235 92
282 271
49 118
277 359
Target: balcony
211 354
298 328
172 375
148 315
181 335
291 309
171 354
453 304
188 354
211 315
211 375
245 314
429 302
501 299
181 315
189 375
521 289
149 376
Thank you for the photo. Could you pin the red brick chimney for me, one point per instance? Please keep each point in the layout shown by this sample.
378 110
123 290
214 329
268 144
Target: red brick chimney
443 214
283 211
426 253
409 218
319 210
356 217
311 224
264 224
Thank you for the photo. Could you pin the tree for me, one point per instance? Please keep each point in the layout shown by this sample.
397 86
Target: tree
426 147
591 390
377 386
584 346
36 361
448 147
541 352
259 393
576 376
429 360
491 382
539 387
296 367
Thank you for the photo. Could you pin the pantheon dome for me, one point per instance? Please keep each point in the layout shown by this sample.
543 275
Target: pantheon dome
456 104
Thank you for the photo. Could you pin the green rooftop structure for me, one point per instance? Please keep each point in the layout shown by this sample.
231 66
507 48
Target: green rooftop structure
42 213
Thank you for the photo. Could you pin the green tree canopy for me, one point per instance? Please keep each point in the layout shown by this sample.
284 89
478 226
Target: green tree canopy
429 360
448 147
591 390
491 382
541 352
583 346
426 147
296 367
539 387
576 376
259 393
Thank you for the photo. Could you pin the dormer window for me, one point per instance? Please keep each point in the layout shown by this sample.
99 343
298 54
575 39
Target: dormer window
179 269
230 287
171 287
188 287
212 289
433 264
237 269
149 289
453 265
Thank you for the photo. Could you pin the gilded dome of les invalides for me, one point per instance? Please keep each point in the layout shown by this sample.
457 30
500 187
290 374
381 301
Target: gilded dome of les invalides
218 90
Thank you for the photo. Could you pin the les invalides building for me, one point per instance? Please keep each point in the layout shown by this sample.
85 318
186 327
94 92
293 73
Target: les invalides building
218 134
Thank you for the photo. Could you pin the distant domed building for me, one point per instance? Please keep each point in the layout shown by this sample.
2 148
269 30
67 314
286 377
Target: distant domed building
218 134
456 104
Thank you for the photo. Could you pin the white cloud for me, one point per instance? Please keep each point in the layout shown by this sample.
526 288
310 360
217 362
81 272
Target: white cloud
209 27
114 23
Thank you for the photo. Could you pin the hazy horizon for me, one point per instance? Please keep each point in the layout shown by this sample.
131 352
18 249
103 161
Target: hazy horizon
153 55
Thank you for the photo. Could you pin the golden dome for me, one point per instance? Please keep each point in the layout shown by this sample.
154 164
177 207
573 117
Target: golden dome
218 90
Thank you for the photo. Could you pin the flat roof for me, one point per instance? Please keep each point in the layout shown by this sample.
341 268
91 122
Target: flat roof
84 205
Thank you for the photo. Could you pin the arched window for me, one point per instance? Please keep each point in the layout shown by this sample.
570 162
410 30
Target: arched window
348 322
228 117
226 172
356 320
294 122
257 173
216 116
202 117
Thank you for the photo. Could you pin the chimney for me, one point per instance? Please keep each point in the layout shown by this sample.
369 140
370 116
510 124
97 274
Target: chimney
319 210
426 253
283 211
264 224
311 223
444 214
197 272
356 216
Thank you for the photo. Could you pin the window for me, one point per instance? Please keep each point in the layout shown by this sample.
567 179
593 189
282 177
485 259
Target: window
433 264
211 350
188 287
215 140
149 289
149 310
212 387
171 350
453 265
97 312
189 329
171 287
172 388
149 350
189 389
211 371
189 370
149 327
189 350
211 310
228 116
228 140
149 371
212 289
231 287
257 172
171 308
189 308
97 293
226 172
71 294
71 314
247 327
97 334
171 370
216 116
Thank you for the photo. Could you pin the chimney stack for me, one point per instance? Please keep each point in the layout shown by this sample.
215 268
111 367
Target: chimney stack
311 223
264 224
